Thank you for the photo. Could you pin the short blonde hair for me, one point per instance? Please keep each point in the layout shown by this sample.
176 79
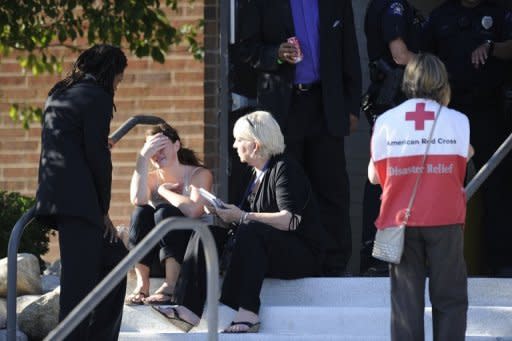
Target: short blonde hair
425 76
261 127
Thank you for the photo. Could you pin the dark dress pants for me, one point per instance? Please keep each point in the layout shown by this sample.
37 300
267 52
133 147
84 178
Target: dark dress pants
323 158
85 260
144 219
438 251
263 251
191 285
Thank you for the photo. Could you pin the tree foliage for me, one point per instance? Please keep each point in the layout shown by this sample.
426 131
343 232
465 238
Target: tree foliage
36 237
33 27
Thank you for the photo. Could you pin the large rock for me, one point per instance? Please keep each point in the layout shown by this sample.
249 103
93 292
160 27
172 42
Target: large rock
49 283
41 316
29 277
53 269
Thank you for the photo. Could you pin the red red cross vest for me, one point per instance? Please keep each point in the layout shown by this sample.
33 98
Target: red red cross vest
398 144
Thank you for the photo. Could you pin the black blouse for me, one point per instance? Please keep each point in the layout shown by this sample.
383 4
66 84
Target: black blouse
286 187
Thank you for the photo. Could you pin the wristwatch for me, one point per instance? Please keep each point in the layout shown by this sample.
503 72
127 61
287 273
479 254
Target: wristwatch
490 45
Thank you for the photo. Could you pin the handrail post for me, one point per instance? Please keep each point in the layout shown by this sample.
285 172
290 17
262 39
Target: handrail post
135 255
12 271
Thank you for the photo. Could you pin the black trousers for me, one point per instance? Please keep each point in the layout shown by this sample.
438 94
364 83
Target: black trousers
323 158
191 286
86 259
174 244
438 251
260 251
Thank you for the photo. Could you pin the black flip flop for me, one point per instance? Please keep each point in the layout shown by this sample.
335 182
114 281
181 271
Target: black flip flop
176 320
253 327
168 301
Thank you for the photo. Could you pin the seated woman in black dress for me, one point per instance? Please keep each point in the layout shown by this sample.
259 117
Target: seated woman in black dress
279 234
170 189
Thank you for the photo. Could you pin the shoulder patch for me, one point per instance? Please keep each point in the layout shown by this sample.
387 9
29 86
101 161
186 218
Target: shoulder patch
396 8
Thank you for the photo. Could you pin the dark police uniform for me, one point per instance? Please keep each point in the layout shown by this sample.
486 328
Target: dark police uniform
385 21
453 32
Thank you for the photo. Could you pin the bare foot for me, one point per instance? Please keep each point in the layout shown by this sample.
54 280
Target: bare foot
135 298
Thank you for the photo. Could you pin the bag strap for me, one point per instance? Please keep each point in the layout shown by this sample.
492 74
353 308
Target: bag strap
415 188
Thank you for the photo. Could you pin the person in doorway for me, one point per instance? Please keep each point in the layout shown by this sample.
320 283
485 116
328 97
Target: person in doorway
392 29
473 38
308 69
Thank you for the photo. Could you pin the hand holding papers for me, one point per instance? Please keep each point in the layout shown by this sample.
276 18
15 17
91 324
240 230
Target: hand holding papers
212 199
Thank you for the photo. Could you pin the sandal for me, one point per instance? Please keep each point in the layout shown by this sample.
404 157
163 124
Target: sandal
136 298
253 327
175 319
160 298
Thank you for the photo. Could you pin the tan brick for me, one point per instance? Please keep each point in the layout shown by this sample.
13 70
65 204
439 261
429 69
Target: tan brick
12 133
20 172
46 81
10 67
188 104
189 77
153 78
18 145
11 185
12 80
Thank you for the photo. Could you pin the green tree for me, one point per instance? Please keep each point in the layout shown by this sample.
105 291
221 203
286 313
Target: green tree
33 27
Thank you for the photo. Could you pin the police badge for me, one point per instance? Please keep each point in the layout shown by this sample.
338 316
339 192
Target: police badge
487 22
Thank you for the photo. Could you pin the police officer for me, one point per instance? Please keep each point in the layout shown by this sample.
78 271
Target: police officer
473 39
392 30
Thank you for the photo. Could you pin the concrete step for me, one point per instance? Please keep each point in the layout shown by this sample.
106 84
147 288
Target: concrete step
302 320
271 337
332 309
361 291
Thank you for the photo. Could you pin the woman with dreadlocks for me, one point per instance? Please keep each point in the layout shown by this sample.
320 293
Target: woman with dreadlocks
75 176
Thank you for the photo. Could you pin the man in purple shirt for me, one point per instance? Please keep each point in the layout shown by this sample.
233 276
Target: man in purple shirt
315 100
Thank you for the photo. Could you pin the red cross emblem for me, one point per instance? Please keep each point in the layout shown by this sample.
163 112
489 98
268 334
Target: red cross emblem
419 116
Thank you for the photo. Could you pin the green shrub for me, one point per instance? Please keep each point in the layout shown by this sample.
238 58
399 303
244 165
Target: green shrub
36 236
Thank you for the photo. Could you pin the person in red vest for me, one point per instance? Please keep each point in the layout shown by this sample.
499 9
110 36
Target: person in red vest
434 233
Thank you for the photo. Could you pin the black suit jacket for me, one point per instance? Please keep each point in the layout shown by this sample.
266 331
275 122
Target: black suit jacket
75 169
265 24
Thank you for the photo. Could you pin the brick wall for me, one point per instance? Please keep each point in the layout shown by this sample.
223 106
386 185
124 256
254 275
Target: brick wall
181 91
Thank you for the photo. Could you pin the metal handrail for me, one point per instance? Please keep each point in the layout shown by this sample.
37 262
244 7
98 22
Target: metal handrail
132 122
12 270
489 167
19 227
135 255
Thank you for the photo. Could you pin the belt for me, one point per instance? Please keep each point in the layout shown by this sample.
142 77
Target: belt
307 86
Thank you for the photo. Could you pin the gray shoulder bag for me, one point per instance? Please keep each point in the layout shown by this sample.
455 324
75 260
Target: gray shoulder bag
389 242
